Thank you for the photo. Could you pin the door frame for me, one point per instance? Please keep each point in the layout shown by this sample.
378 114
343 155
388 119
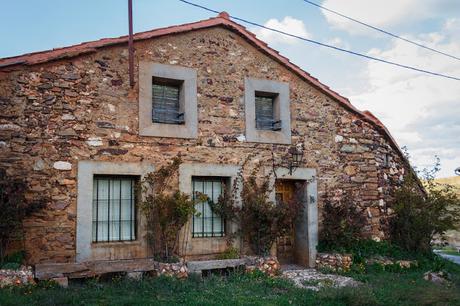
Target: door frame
306 232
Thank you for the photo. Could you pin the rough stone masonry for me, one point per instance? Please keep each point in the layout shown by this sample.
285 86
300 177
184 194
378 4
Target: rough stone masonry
57 112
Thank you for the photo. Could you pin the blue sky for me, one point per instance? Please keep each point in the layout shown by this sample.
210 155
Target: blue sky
420 111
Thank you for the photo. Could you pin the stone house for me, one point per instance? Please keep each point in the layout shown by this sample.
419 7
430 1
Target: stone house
74 129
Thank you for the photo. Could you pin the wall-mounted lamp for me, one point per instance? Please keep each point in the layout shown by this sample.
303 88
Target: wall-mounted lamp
295 158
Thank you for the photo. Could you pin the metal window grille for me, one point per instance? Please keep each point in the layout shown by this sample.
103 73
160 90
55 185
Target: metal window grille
166 103
265 114
386 160
206 223
114 208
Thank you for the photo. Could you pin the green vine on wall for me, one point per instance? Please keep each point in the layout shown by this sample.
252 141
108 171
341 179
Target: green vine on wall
166 210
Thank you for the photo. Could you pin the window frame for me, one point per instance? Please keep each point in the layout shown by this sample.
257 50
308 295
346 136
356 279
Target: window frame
222 233
187 96
85 248
280 134
195 246
133 209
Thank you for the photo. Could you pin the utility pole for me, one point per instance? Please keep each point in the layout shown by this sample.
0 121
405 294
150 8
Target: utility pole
130 43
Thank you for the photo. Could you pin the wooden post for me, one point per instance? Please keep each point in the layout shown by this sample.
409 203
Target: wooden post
130 43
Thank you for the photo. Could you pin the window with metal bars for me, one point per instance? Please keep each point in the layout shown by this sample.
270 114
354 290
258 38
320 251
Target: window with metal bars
206 223
265 113
114 208
166 101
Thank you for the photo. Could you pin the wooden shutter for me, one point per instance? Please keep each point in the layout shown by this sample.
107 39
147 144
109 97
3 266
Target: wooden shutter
264 112
166 104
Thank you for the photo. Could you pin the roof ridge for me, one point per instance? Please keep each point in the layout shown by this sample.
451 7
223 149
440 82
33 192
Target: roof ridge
85 43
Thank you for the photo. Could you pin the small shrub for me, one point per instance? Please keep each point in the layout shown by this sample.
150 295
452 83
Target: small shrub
229 253
11 266
167 210
343 221
262 221
420 215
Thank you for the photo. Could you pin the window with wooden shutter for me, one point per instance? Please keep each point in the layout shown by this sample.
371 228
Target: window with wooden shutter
166 101
114 209
206 223
265 113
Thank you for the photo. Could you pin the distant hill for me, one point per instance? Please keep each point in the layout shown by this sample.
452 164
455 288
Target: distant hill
453 180
453 237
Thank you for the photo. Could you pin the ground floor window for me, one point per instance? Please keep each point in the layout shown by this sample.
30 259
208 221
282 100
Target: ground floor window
114 208
206 223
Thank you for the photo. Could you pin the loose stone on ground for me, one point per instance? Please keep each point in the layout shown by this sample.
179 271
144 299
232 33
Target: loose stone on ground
314 280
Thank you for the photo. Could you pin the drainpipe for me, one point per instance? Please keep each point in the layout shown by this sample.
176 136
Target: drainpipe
130 43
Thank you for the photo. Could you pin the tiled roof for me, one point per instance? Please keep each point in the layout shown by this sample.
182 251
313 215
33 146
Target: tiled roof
222 20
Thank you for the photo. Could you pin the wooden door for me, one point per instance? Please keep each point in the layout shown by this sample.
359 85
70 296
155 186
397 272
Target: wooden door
284 191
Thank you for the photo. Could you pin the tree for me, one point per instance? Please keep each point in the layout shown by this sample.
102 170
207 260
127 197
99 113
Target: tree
422 213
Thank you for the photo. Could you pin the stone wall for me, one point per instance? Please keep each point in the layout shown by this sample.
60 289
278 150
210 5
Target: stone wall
334 262
57 113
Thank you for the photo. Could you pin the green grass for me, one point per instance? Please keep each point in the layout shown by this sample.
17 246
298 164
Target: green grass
379 288
454 253
450 251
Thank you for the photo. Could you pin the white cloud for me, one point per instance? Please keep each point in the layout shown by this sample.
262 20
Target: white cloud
338 42
384 13
421 111
288 24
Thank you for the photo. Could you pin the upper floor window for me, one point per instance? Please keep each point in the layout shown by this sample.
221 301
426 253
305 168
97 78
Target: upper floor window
386 160
167 101
166 106
265 112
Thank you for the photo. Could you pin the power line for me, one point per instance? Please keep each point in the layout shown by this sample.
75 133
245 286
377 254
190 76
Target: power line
326 45
382 31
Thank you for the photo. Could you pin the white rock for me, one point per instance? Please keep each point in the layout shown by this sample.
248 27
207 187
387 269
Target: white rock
111 107
62 165
67 117
232 113
11 127
241 138
39 165
94 141
338 138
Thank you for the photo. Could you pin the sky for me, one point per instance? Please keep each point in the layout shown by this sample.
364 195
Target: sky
422 112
